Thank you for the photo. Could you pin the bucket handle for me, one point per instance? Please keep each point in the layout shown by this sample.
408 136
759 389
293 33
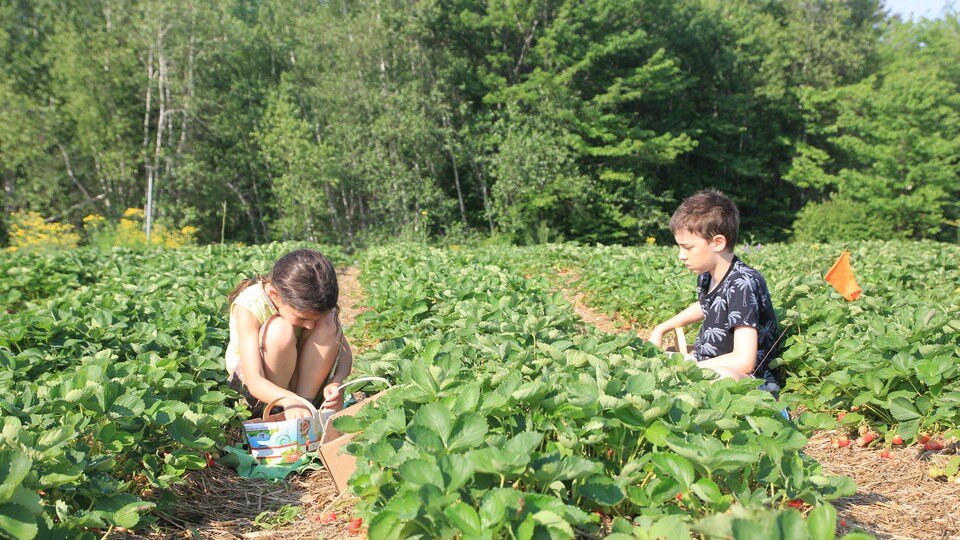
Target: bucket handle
681 342
327 413
269 407
364 379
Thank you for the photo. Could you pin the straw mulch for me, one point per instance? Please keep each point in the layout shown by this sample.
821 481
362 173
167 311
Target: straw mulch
216 504
896 498
605 323
351 294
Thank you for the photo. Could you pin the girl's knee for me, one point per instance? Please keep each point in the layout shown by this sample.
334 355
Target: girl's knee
278 335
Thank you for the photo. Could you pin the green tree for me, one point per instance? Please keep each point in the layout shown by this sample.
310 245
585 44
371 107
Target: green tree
891 140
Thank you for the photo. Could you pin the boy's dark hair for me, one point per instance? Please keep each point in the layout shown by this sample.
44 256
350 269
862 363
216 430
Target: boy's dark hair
706 214
305 280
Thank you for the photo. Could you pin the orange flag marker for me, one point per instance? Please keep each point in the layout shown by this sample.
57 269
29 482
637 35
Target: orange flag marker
841 277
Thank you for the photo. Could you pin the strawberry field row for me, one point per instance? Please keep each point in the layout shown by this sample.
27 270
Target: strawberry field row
891 355
508 422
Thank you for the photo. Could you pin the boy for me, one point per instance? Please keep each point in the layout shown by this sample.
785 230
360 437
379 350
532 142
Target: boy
739 325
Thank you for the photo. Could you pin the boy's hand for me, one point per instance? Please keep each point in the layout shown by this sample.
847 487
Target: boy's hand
332 397
656 336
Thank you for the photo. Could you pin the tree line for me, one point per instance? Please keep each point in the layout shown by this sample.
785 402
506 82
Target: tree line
352 122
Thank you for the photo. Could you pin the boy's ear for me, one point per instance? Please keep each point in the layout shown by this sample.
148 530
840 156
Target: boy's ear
719 243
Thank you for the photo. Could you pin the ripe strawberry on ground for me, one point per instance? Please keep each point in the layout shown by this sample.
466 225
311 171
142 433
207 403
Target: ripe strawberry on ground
355 526
897 440
933 445
924 437
328 518
886 454
843 443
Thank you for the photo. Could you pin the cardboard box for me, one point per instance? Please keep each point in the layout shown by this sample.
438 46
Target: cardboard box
340 465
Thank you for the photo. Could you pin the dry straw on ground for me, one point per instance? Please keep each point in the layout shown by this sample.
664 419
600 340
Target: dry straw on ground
896 498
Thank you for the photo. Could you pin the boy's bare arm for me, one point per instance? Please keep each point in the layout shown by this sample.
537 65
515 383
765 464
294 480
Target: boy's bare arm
692 314
743 358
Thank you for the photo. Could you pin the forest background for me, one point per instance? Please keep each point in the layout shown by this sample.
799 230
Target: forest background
353 122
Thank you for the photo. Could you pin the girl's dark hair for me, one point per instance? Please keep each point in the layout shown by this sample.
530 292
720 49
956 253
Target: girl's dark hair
305 280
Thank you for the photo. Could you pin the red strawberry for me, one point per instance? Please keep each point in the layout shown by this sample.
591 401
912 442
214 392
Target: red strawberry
610 452
897 440
840 416
886 454
854 408
844 442
796 503
211 462
679 496
924 437
329 518
866 438
933 445
355 525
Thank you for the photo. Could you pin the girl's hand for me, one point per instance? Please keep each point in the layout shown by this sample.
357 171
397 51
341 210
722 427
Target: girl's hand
332 397
292 412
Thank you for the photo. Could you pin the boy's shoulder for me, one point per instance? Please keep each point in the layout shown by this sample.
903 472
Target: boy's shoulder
742 275
743 268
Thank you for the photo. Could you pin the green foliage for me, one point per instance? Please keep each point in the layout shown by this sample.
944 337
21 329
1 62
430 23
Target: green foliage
539 121
841 220
272 519
508 417
876 148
